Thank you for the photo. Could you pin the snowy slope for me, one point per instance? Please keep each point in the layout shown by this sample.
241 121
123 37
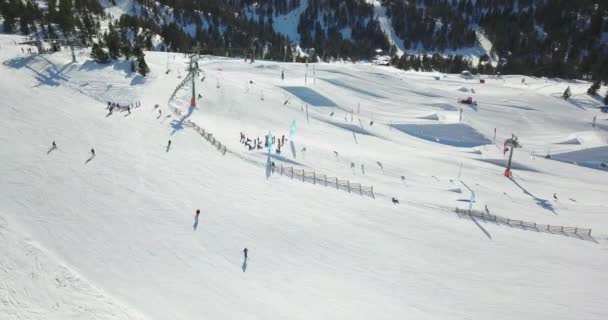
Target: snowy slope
122 223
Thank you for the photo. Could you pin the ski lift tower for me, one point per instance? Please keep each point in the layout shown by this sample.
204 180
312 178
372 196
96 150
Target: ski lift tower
513 143
193 71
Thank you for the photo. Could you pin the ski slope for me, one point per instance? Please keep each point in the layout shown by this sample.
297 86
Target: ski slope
114 236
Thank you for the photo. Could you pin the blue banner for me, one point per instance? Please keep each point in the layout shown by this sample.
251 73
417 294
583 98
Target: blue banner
472 200
292 131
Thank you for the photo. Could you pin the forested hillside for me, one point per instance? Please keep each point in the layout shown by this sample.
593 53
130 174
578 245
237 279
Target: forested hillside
557 38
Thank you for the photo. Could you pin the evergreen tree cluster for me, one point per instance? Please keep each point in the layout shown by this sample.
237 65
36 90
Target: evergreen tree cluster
341 29
436 62
66 16
117 45
557 38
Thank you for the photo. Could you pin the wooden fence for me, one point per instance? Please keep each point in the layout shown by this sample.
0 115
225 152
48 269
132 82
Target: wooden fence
581 232
208 136
324 180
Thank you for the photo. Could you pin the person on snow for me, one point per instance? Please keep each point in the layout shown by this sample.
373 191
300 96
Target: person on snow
282 74
169 144
92 152
54 146
555 196
129 110
245 252
198 211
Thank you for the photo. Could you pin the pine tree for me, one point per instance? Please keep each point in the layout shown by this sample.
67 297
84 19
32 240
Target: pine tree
567 94
127 50
133 69
98 54
592 91
137 52
142 66
113 42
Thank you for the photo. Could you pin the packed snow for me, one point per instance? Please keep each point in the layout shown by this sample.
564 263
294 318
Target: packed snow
114 235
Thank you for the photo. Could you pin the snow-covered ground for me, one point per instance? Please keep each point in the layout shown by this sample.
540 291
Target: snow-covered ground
114 236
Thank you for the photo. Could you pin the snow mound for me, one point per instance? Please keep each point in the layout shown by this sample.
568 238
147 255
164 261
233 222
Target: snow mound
433 116
463 89
574 141
453 134
310 96
594 158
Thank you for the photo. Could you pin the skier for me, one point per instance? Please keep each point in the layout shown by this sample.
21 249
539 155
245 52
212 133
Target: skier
245 252
555 196
198 211
92 152
54 145
160 112
169 144
282 74
129 110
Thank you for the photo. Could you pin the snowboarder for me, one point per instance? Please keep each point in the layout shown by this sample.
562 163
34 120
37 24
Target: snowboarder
593 122
92 152
245 252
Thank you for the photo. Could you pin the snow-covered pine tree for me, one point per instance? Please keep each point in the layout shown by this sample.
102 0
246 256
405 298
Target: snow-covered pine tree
142 66
98 54
566 95
592 91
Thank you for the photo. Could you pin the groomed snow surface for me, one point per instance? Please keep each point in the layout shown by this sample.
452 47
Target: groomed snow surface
114 236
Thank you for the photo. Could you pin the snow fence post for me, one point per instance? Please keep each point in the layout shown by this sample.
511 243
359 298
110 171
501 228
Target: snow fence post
360 189
325 180
303 174
348 184
281 169
337 186
590 232
374 196
314 178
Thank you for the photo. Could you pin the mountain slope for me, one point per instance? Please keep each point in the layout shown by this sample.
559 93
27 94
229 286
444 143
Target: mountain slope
125 219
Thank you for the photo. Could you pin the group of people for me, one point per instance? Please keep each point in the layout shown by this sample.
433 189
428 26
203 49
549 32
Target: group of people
113 105
255 144
280 143
29 50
